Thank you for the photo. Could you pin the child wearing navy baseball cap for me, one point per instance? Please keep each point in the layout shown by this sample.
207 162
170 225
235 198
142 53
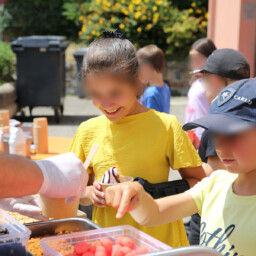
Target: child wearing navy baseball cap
226 200
223 67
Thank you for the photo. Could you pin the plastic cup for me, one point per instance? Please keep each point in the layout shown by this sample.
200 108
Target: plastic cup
40 134
3 132
6 137
57 208
4 117
5 129
28 144
122 179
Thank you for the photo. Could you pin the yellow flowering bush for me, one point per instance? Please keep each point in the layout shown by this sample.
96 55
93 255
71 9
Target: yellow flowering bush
144 22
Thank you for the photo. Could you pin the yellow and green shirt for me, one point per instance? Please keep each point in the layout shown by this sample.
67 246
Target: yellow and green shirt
228 222
145 145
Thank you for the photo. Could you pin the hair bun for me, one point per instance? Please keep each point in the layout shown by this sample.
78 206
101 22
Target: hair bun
113 34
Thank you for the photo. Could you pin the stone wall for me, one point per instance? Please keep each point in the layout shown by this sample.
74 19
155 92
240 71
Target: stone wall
176 75
71 86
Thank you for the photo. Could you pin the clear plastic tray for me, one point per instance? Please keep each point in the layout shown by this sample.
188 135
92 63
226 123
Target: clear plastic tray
62 245
15 242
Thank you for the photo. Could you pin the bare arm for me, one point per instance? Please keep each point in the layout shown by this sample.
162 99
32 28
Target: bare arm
144 209
18 176
192 175
213 164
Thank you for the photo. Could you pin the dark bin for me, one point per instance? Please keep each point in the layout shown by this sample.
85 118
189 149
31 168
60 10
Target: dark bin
41 71
79 56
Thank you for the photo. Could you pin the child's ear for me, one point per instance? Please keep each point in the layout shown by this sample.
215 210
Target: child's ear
142 76
139 87
142 79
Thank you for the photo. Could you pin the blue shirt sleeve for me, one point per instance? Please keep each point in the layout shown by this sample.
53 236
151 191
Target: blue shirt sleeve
151 102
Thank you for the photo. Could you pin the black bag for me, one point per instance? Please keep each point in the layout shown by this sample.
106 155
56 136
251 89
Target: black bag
164 189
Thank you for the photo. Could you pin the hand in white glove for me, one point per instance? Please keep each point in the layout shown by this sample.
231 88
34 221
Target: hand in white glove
64 177
27 205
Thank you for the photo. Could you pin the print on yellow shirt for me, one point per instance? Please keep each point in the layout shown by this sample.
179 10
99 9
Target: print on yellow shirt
219 236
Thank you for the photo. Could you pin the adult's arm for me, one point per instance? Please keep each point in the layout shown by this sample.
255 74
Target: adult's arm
19 176
62 176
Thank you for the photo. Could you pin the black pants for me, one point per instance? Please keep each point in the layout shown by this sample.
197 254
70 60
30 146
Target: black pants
194 236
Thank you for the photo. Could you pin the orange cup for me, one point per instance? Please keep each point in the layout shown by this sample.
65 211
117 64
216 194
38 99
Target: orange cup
40 135
4 118
57 208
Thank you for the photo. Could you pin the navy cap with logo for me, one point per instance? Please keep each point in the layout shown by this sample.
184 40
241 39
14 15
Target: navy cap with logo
232 111
226 63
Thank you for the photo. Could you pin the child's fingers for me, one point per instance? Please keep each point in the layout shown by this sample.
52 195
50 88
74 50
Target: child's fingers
116 200
109 194
97 200
123 196
99 193
97 185
134 203
124 204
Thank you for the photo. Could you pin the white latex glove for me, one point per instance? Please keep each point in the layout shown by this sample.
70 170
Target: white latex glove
27 205
64 177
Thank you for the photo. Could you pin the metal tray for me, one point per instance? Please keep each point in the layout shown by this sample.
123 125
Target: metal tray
54 227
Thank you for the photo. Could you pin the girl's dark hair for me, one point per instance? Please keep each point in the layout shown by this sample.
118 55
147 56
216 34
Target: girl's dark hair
204 46
114 53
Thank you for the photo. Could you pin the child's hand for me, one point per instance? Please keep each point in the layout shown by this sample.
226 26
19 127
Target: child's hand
97 197
124 197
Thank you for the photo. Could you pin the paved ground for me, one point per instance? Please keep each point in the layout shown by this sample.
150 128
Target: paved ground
78 110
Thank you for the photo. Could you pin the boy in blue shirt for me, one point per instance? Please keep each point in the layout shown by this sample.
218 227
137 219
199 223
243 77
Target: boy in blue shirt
157 94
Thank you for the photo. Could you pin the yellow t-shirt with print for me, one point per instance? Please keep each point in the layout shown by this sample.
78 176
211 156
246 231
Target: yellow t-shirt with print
228 221
145 145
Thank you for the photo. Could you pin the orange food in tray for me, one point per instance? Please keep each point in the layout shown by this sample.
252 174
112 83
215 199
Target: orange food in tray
122 246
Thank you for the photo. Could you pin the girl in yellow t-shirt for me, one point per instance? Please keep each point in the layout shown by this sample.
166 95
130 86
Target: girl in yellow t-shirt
140 142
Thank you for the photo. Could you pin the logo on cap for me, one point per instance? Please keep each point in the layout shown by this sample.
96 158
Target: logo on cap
225 96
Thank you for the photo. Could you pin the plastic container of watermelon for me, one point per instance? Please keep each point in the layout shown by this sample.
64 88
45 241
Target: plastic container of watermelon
13 236
64 245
